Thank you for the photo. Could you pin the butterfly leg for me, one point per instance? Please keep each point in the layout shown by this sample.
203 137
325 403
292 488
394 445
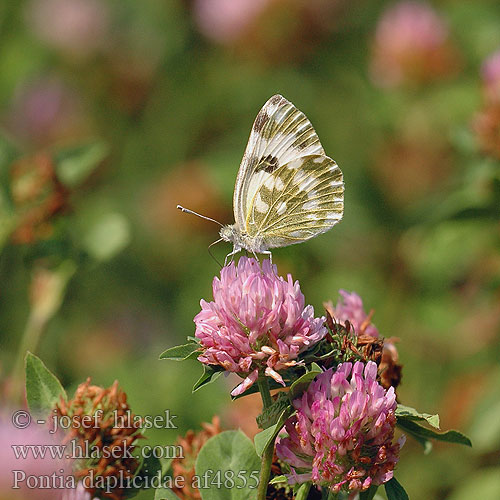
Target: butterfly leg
232 254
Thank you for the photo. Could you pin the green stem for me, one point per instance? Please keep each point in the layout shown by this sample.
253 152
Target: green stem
265 393
29 342
265 472
39 316
267 456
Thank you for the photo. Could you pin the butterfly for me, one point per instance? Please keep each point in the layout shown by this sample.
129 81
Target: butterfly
287 190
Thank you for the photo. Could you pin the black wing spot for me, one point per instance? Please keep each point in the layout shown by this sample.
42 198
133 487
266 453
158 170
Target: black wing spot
260 121
275 99
269 164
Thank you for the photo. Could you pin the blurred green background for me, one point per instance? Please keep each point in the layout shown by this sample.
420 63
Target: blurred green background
114 111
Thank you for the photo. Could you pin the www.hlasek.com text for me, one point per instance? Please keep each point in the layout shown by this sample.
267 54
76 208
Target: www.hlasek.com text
86 450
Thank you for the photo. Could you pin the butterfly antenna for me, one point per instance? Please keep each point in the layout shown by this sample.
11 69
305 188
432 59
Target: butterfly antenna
211 254
187 211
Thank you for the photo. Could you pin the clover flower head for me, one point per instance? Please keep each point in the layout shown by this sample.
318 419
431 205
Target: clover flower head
411 45
257 323
115 428
350 308
341 436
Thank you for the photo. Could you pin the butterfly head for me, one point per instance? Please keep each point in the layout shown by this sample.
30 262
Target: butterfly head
241 240
229 233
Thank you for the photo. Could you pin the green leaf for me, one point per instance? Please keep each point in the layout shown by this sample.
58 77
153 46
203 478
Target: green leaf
451 436
226 455
165 494
75 164
43 389
181 352
279 479
302 383
395 491
412 414
266 438
148 469
425 443
210 374
166 464
369 494
271 414
303 491
107 236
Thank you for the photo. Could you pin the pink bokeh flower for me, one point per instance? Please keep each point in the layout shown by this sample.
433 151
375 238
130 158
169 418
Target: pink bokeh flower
258 322
25 465
341 437
490 72
78 493
226 20
350 308
45 110
411 45
77 27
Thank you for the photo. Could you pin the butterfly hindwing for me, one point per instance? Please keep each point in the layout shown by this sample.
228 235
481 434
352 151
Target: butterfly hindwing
280 134
297 201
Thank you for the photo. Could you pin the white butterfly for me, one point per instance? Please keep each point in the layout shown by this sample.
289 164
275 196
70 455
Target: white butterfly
287 190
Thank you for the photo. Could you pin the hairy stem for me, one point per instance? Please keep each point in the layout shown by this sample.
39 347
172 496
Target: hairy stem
267 456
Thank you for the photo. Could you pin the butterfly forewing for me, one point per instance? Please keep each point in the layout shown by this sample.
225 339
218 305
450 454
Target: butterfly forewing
280 134
299 200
